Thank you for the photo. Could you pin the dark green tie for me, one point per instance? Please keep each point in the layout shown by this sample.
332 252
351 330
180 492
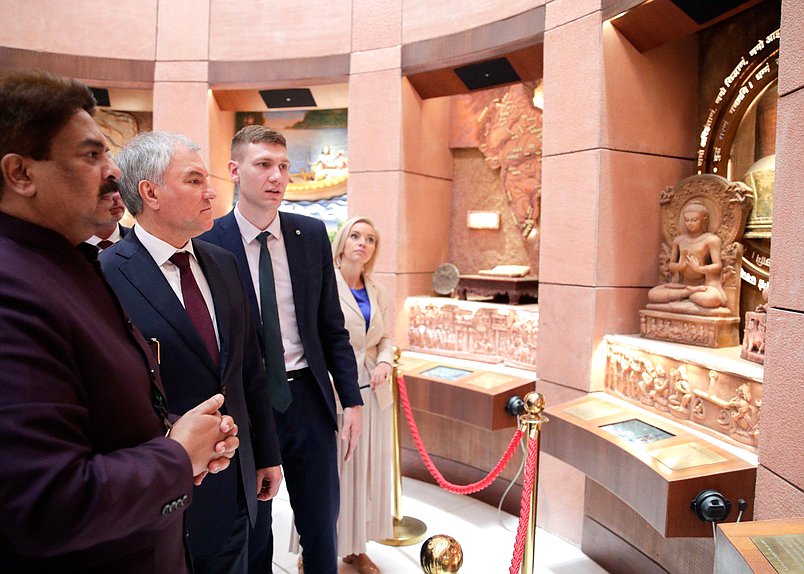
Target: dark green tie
271 335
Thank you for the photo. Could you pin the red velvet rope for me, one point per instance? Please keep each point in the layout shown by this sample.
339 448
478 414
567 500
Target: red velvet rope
442 482
524 509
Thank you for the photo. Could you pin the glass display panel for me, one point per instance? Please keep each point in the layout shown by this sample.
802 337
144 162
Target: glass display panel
636 431
446 373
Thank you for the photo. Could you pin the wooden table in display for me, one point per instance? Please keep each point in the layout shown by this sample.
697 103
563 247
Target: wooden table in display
491 285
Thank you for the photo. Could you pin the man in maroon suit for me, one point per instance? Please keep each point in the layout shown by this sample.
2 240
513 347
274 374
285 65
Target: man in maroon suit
96 474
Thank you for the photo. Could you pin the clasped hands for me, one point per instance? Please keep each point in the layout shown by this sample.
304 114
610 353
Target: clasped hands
209 437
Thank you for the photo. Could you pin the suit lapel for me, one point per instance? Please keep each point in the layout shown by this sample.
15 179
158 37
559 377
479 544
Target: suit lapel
294 247
231 240
142 272
375 308
346 295
221 298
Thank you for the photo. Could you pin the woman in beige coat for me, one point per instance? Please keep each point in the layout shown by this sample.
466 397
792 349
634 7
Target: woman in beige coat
366 480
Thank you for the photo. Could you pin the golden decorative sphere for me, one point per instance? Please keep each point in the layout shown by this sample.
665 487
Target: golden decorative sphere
534 403
441 554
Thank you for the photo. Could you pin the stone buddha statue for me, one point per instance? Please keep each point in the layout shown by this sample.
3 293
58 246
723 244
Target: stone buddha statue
695 261
697 299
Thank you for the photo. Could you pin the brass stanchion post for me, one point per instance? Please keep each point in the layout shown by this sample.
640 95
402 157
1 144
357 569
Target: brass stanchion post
532 426
407 530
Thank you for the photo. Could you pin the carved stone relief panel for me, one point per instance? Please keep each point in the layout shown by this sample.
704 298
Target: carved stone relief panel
471 330
753 348
510 139
726 402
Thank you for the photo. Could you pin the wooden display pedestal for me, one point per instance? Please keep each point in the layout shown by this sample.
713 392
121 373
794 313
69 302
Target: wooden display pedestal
763 547
653 464
491 286
459 408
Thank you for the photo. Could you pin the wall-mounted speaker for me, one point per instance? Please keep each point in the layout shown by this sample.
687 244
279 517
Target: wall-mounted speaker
101 97
487 74
290 98
703 11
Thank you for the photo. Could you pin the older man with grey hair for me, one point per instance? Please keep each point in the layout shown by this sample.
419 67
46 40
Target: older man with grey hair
186 296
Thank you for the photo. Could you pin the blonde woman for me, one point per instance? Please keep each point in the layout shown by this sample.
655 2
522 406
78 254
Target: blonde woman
366 481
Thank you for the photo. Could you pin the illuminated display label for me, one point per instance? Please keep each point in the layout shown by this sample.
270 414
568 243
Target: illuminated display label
730 100
762 71
749 277
735 72
740 97
756 49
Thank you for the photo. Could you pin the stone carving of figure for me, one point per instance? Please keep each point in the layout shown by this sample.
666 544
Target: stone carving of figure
740 415
681 392
661 389
695 259
511 140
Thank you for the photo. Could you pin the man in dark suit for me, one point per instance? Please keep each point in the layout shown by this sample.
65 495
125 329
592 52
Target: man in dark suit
186 296
111 231
91 483
316 344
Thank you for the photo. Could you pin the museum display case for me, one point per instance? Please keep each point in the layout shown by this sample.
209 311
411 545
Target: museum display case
459 407
655 465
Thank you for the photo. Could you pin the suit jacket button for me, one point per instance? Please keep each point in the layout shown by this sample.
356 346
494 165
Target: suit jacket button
224 389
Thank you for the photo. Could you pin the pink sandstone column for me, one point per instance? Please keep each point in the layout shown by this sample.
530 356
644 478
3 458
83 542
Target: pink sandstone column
780 477
183 102
607 152
399 162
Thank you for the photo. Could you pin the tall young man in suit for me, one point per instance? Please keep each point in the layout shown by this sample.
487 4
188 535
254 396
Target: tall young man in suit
186 296
316 344
90 483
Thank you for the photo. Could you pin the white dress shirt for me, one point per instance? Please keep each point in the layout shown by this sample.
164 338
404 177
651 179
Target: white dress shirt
291 340
114 237
161 252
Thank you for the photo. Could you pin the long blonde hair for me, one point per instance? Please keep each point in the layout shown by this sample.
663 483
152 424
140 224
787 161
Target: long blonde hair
339 243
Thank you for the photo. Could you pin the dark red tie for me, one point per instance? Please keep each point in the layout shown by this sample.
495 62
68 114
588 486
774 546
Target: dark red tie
104 243
195 305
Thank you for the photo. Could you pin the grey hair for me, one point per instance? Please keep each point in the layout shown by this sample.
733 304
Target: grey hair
147 157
